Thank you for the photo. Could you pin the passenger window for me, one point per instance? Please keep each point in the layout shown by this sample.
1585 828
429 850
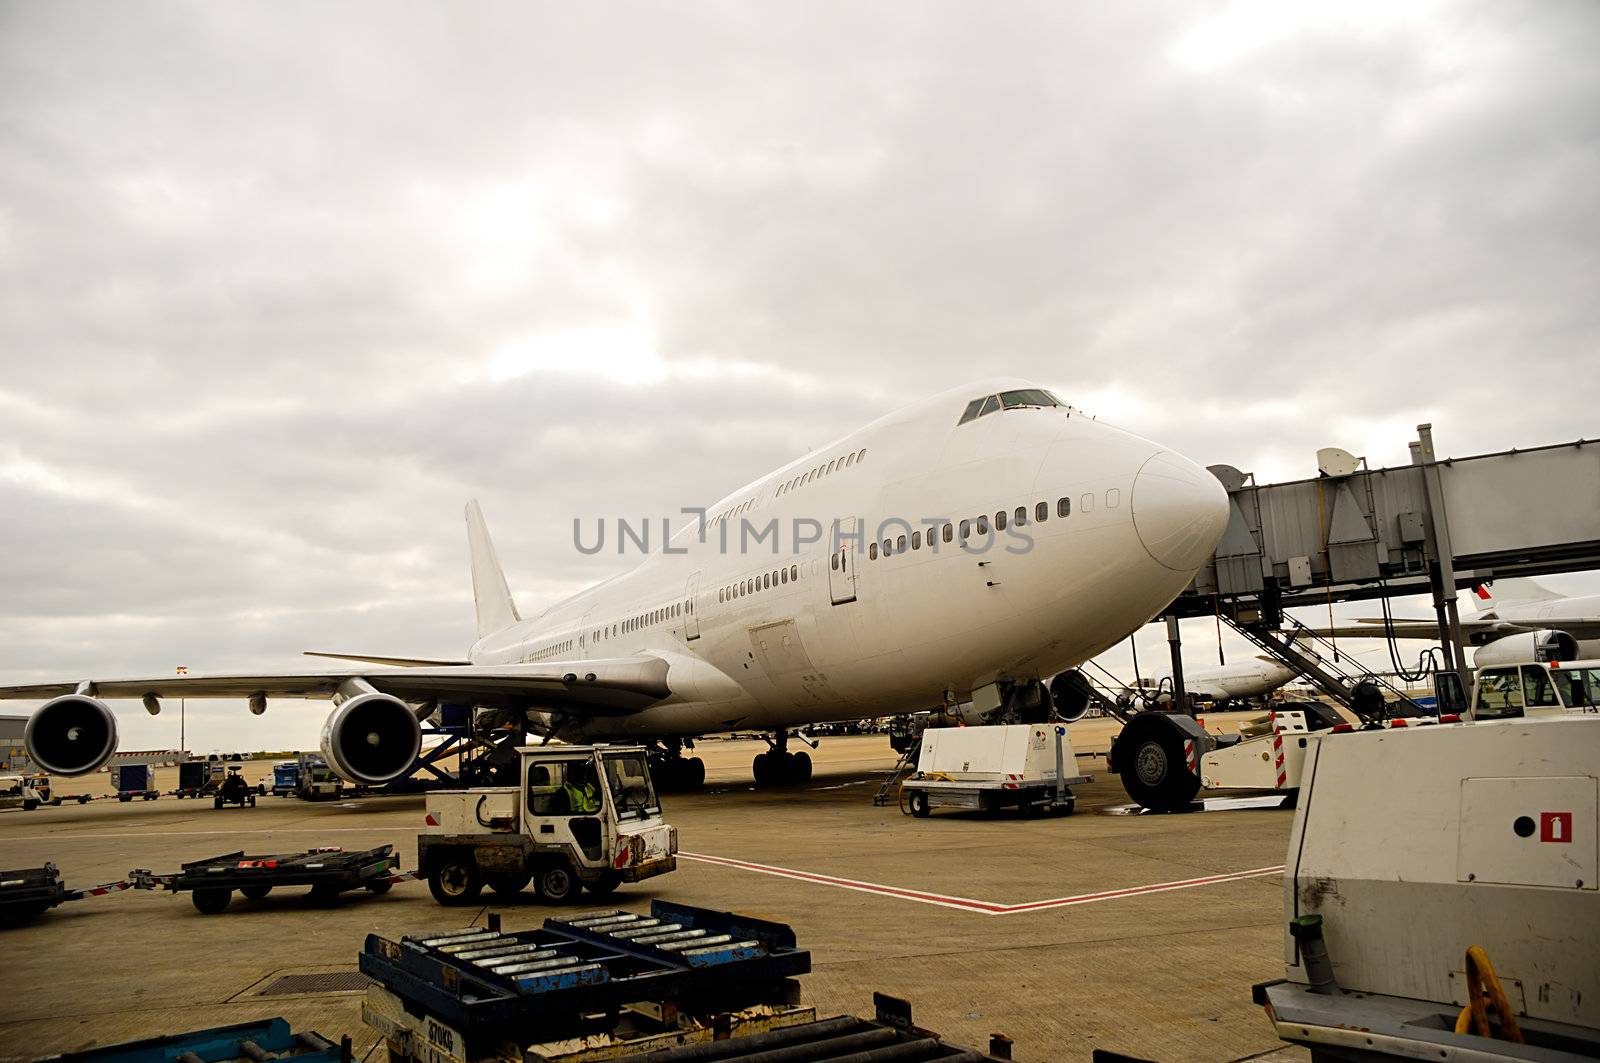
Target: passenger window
949 532
966 528
829 469
900 544
1020 517
849 460
888 547
1000 521
794 571
1086 503
833 562
1537 690
1113 498
916 540
783 574
861 454
983 525
1041 512
872 551
1063 507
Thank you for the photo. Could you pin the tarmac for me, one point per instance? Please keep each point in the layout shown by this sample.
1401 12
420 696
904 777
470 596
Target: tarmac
1140 934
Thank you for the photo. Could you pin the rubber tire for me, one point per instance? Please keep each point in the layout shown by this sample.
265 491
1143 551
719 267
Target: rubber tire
216 802
83 800
508 884
324 895
1153 741
556 885
211 901
604 886
124 798
464 883
1066 808
800 766
29 806
761 768
255 893
920 807
694 773
379 886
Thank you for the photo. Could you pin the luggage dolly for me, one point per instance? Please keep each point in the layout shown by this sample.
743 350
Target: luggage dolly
610 979
329 871
266 1039
28 893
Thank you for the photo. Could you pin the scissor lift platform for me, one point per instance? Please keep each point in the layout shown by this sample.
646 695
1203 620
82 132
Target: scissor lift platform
328 871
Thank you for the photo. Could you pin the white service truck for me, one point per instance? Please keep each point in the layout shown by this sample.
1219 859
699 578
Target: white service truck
1442 894
1029 767
582 817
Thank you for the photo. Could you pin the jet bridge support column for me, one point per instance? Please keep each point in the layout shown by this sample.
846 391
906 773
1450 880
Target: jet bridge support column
1175 641
1444 572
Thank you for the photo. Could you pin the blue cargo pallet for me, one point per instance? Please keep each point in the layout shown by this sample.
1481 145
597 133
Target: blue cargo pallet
245 1042
499 986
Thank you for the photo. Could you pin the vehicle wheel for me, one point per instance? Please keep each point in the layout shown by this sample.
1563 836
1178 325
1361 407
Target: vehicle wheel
508 884
455 881
29 806
255 893
124 798
23 913
605 885
252 800
216 802
1154 770
83 800
761 768
800 764
694 773
556 885
55 802
918 800
211 902
380 886
1066 808
1030 808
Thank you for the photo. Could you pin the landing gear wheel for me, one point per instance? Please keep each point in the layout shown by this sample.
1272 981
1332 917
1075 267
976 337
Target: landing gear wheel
555 885
761 768
605 885
918 800
455 882
211 902
694 773
254 893
1154 770
800 766
509 884
380 886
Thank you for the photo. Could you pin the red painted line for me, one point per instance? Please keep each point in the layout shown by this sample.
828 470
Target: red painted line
968 904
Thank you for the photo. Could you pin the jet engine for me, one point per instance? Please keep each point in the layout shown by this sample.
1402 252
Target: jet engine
371 739
1070 692
1526 648
71 735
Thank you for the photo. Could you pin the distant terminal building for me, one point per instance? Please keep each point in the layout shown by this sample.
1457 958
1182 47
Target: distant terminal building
12 756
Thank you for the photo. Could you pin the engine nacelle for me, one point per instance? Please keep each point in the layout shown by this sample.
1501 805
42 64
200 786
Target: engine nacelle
1070 693
1527 647
71 735
371 739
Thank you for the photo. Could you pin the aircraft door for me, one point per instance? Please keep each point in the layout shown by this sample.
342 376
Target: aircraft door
842 563
691 608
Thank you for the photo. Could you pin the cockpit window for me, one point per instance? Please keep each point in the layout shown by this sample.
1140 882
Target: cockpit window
1022 398
1027 397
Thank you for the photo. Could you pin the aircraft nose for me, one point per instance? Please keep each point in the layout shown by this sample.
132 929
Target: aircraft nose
1179 511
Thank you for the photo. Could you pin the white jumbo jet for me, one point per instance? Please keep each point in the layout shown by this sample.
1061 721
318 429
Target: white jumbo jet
1252 678
966 546
1517 620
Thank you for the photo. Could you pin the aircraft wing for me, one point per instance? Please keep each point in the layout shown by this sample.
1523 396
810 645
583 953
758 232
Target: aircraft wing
614 686
1374 628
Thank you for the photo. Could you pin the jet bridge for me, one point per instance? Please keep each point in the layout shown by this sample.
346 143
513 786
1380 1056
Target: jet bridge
1353 533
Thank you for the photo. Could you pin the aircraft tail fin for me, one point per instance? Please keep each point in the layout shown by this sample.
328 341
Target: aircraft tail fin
1511 589
490 591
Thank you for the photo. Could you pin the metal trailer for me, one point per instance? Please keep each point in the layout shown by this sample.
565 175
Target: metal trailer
134 780
605 977
245 1042
199 778
28 893
285 777
988 787
328 871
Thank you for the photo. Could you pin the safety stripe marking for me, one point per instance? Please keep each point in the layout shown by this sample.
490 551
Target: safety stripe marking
969 904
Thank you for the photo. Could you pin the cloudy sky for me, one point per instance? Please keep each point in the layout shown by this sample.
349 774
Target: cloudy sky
281 285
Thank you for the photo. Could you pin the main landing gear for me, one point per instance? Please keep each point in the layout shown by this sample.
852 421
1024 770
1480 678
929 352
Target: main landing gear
674 772
778 766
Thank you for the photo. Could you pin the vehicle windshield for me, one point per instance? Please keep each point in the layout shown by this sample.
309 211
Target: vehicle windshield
629 779
1579 687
